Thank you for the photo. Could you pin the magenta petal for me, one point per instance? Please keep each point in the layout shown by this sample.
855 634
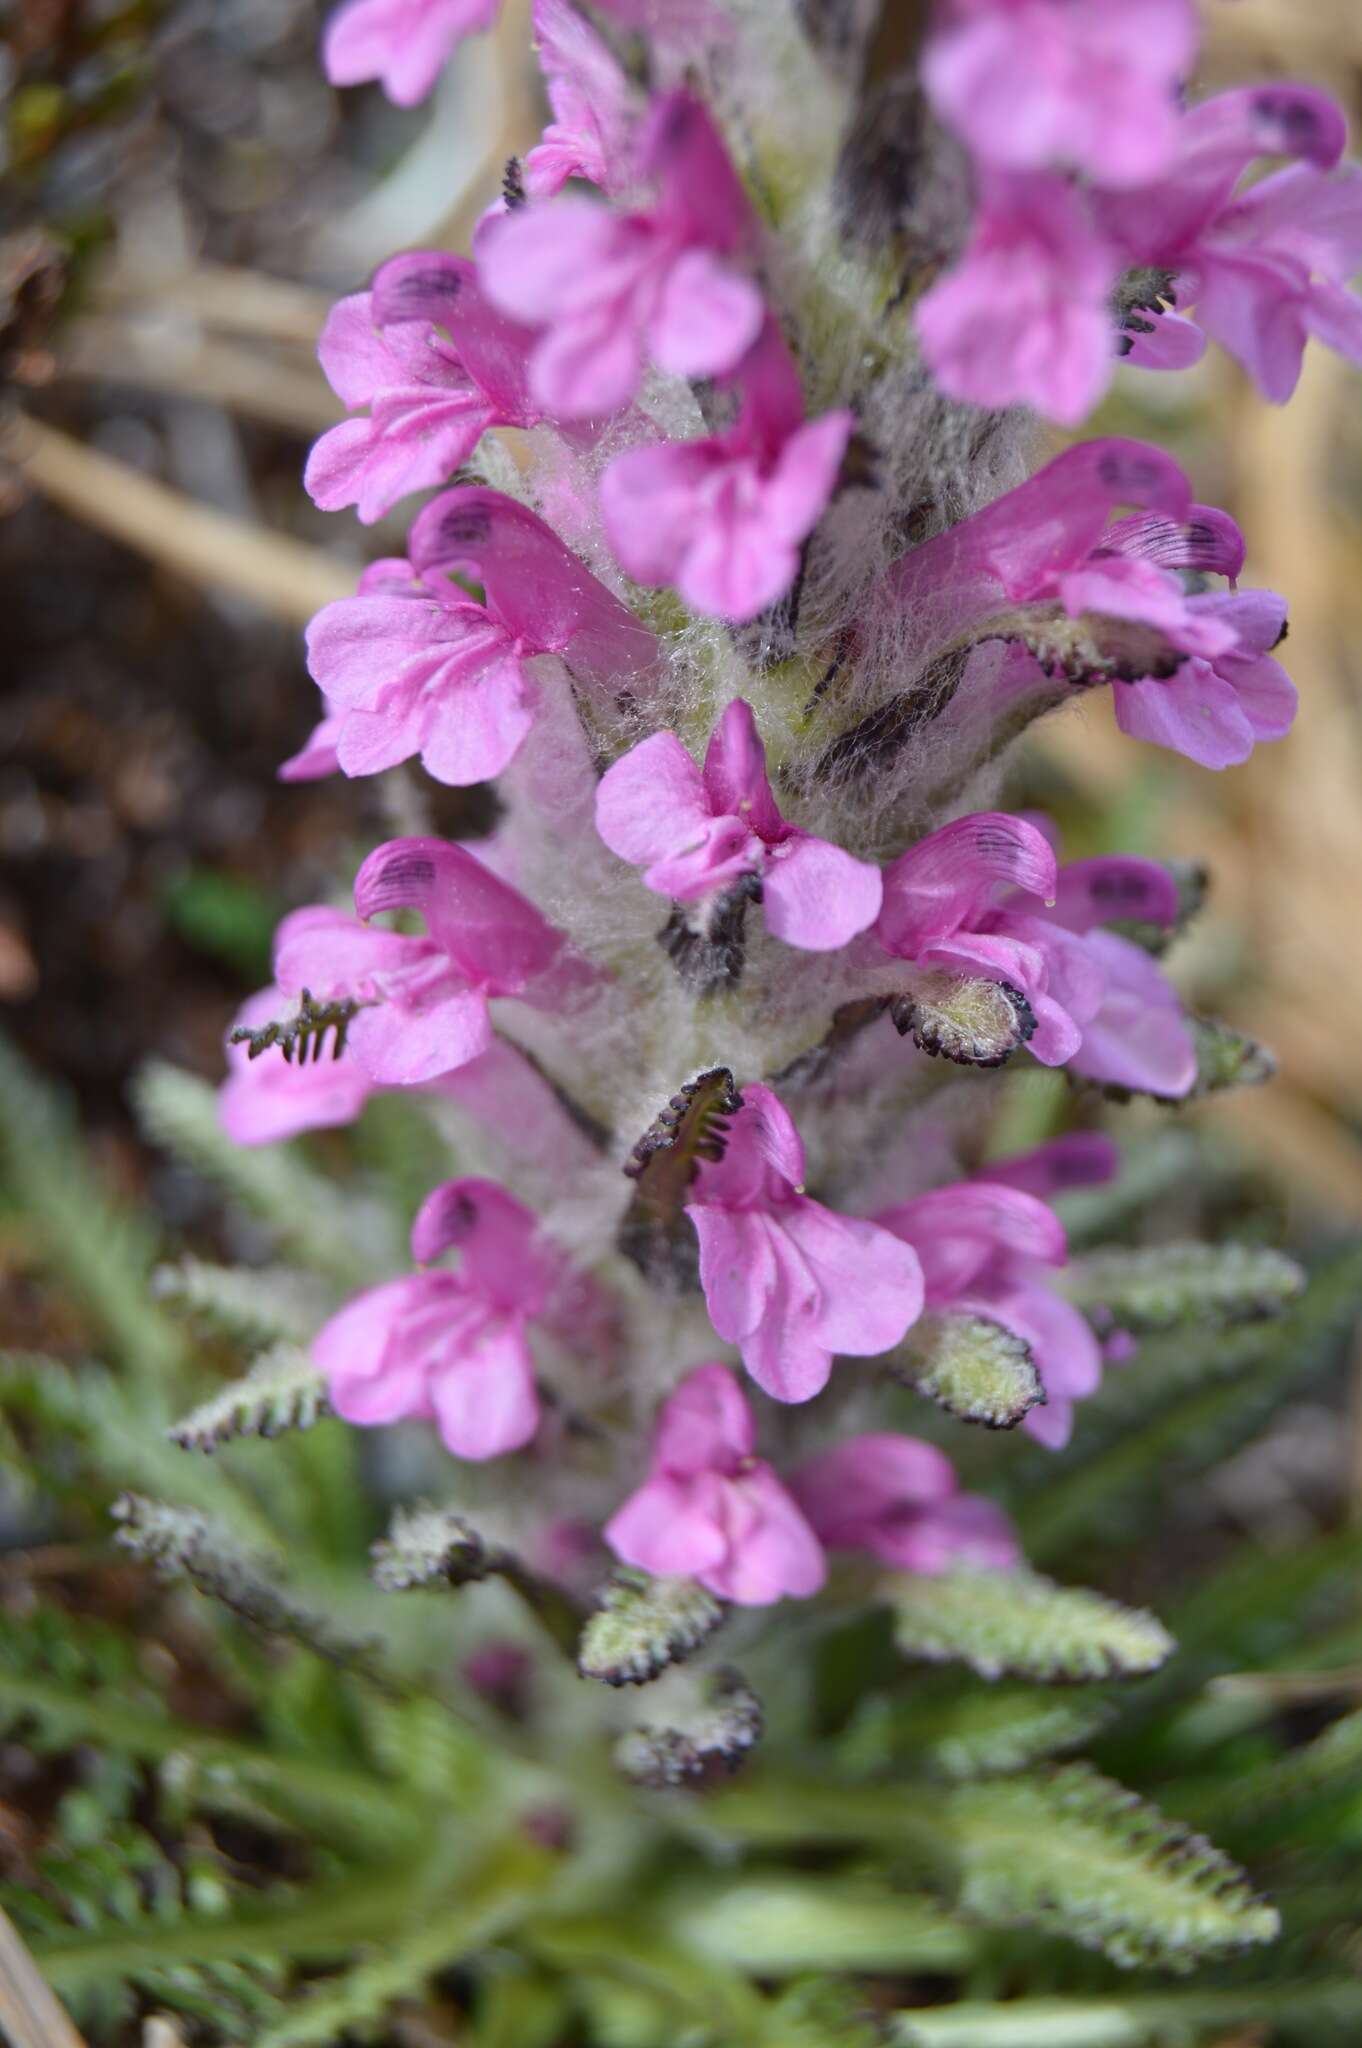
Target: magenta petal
1195 713
489 929
948 879
1081 1159
1112 886
964 1530
735 776
846 1490
495 1234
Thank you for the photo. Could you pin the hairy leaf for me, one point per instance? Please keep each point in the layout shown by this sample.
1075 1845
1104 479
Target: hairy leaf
1020 1623
283 1390
642 1625
182 1543
973 1023
714 1739
1144 2019
1073 1854
1160 1286
253 1304
972 1366
345 1239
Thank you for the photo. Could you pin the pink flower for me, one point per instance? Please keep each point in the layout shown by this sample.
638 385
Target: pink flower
786 1280
430 399
703 832
1048 544
1266 268
983 898
412 665
986 1248
724 518
404 44
591 100
1215 709
1017 549
710 1510
425 998
1034 82
606 289
897 1497
1024 318
269 1098
450 1348
317 756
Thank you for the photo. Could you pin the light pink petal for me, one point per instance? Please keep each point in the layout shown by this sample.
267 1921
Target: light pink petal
776 1555
1334 316
536 258
317 756
353 1343
964 1530
650 506
486 1403
352 352
1138 1038
956 1229
651 803
869 1283
816 896
479 729
764 1158
536 587
1018 544
496 1236
737 1268
1172 343
670 1527
706 1425
403 43
707 317
330 953
1195 713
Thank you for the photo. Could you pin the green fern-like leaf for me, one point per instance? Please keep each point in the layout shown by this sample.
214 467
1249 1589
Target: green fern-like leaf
283 1390
986 1733
643 1625
124 1896
972 1367
251 1304
102 1248
182 1543
1162 1286
347 1240
1317 2011
1074 1854
1022 1624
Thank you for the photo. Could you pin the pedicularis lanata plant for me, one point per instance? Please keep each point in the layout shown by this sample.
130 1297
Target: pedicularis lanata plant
743 563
